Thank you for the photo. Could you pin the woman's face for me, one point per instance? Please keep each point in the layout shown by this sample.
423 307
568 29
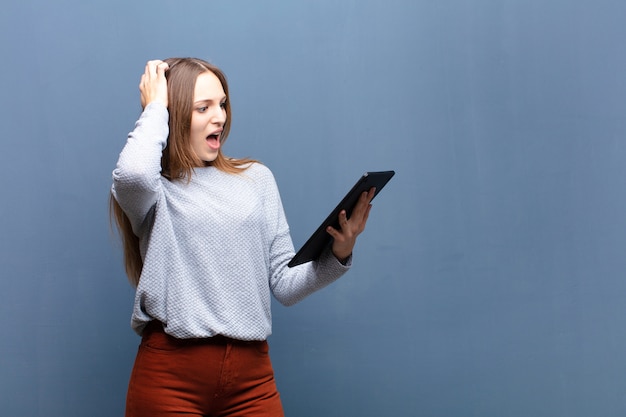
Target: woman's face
208 116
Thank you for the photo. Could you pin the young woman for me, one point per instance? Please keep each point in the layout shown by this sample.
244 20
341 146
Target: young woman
206 244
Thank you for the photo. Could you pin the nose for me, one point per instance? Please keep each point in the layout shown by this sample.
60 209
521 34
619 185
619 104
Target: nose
219 116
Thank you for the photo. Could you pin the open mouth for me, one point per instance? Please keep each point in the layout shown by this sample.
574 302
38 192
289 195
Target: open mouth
213 140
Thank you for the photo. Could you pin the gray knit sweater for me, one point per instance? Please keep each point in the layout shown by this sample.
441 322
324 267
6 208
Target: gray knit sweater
214 249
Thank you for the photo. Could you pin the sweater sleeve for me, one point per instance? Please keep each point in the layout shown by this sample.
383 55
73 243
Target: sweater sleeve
137 176
291 285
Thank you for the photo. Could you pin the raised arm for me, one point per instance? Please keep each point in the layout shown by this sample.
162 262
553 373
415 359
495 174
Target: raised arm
137 176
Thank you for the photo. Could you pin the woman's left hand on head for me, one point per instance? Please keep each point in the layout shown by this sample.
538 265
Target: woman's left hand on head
344 239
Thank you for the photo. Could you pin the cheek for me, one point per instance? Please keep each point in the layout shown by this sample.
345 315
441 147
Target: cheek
196 131
196 124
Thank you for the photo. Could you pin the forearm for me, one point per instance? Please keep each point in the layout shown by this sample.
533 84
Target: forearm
299 282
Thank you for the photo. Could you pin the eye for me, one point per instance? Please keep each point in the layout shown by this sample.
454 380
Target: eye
223 105
202 109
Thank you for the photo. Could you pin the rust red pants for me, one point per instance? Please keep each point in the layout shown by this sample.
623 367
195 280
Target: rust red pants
201 377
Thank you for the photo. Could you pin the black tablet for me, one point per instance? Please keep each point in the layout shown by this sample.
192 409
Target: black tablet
313 247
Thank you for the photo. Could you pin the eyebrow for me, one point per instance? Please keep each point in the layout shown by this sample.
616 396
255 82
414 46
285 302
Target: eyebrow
205 100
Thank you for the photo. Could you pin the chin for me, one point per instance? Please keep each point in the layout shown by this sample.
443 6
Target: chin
209 159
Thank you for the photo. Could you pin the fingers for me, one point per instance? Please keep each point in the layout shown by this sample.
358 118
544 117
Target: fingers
356 223
343 220
153 85
361 210
344 239
334 233
156 67
365 217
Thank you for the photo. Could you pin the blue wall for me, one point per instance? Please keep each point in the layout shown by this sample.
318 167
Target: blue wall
490 280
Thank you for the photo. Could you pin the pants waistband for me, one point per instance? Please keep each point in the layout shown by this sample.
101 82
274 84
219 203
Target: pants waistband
156 326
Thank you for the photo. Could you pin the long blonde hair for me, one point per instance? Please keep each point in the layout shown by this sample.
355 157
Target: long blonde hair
178 161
